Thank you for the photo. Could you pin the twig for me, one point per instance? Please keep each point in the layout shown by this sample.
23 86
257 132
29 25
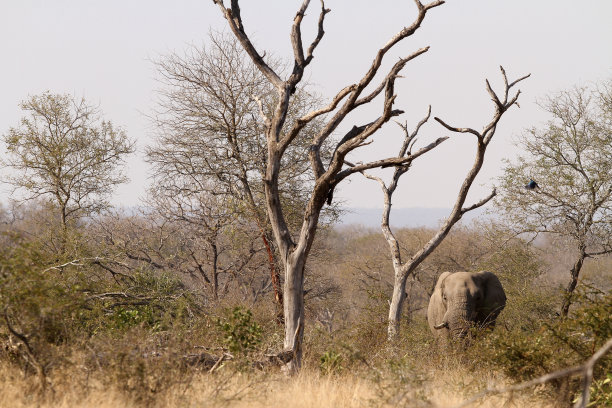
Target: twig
219 361
75 262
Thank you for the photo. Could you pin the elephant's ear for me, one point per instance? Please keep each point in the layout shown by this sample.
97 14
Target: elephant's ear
440 283
436 309
494 297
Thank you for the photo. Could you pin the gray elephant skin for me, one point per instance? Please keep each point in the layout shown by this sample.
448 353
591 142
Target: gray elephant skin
462 300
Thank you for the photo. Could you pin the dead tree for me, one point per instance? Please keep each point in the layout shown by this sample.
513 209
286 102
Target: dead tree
294 246
403 270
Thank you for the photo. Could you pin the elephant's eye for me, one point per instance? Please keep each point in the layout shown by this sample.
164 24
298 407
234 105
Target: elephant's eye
444 297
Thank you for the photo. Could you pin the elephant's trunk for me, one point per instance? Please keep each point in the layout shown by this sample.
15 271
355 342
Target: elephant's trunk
459 317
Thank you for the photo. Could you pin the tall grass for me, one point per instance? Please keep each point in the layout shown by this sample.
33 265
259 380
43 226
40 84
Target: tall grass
445 386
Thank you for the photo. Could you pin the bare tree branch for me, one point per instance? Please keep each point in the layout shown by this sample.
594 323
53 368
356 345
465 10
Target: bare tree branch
295 246
232 15
389 162
480 203
403 270
458 130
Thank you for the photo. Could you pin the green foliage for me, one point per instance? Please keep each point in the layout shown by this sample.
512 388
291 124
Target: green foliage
129 317
400 383
64 151
601 392
590 324
331 362
37 300
58 308
558 343
241 334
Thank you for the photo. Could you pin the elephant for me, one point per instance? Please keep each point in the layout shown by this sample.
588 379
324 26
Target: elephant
461 300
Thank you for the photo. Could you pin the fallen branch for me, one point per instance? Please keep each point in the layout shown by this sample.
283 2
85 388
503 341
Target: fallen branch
204 360
212 362
585 369
224 356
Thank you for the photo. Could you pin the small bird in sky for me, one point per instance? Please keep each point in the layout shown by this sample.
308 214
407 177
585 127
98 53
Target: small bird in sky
532 185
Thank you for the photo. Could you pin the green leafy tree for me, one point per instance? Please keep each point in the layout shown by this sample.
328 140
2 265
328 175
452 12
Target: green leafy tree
64 151
570 159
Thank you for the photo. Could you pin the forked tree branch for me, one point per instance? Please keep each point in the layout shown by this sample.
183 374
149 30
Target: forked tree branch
458 210
501 106
480 203
411 138
406 32
585 369
397 67
356 89
232 15
302 62
388 191
296 34
348 144
388 162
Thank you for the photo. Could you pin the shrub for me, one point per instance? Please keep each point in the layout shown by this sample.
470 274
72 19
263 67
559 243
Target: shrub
330 362
559 343
601 392
240 333
47 313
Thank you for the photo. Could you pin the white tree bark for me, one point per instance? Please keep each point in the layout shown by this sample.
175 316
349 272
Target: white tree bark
294 248
403 270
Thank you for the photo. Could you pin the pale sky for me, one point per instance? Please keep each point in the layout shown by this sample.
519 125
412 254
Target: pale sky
102 50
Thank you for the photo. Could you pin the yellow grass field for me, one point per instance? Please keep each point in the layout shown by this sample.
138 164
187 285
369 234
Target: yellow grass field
228 388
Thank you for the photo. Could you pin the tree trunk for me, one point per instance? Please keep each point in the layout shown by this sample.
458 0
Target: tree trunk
397 302
274 276
293 257
215 272
64 233
294 309
266 238
575 272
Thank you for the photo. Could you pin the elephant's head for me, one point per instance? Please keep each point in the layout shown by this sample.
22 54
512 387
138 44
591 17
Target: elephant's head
463 299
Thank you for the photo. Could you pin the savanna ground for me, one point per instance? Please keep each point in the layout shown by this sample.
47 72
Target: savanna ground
129 317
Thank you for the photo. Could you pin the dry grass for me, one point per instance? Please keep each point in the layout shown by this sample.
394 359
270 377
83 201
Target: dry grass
228 388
